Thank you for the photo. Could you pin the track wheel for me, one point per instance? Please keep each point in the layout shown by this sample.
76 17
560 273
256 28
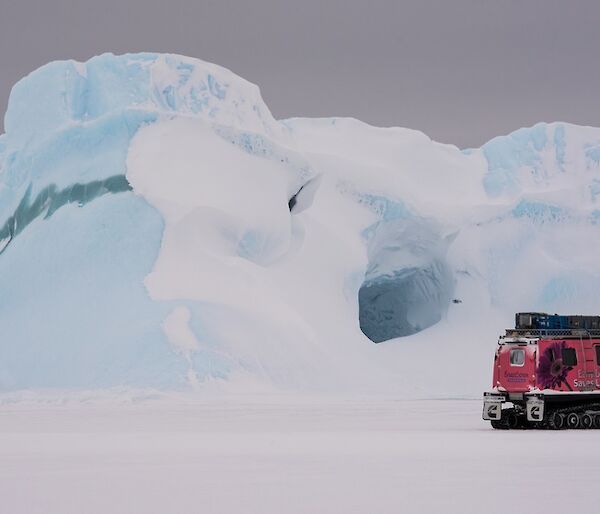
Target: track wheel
586 420
499 424
512 420
573 420
556 421
597 421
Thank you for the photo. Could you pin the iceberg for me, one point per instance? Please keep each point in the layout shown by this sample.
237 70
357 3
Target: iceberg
160 229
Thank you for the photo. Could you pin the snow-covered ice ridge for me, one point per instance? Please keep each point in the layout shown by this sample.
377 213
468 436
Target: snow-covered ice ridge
159 228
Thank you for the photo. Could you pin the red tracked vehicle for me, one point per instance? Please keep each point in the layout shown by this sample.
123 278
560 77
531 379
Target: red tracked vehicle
546 374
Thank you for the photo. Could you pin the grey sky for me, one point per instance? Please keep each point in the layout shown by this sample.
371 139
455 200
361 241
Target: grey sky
462 71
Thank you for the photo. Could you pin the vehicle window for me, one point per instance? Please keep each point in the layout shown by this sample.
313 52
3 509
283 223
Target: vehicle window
597 354
569 357
517 357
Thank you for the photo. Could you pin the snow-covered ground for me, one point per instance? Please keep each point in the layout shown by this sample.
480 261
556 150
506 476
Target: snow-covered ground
281 454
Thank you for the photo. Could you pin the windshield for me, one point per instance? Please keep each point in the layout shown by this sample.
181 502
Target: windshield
517 357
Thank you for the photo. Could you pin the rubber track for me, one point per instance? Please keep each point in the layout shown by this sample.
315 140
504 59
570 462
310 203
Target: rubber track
544 425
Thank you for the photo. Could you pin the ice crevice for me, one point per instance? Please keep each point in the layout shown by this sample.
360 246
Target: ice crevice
305 196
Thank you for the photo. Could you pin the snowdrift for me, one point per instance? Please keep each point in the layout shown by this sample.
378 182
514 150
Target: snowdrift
160 229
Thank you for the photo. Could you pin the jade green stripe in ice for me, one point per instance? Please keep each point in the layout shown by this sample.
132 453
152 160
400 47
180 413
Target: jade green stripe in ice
50 199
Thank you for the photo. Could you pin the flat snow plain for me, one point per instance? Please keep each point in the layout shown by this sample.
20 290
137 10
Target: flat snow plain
280 454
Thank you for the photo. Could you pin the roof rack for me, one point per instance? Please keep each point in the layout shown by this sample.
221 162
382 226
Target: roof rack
554 333
543 321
